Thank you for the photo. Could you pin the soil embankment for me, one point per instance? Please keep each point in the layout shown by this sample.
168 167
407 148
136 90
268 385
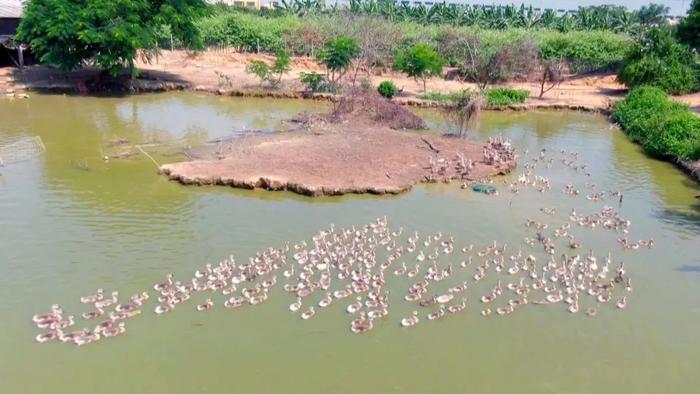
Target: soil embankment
224 72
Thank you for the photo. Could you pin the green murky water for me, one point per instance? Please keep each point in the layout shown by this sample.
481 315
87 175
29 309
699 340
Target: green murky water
72 222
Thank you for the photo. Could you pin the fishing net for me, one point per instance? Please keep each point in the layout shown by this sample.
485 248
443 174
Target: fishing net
17 149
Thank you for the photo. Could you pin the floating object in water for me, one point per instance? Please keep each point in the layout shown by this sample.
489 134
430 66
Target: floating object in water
18 149
482 188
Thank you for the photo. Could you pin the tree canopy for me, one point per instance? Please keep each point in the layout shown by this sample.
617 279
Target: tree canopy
657 59
337 55
106 33
689 29
419 61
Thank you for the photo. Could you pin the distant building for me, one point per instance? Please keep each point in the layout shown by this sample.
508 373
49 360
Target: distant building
252 4
10 15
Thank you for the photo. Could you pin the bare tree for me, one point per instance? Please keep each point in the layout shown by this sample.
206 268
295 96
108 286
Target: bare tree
486 65
551 74
376 39
464 109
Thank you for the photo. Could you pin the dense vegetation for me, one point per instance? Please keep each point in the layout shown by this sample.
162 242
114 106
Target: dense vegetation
606 17
493 97
658 59
665 128
108 33
689 28
506 96
583 50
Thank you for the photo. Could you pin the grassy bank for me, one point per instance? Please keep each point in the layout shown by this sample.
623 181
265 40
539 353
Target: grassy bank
665 128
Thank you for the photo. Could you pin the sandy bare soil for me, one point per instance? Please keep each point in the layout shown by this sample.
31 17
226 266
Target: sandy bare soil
204 70
223 72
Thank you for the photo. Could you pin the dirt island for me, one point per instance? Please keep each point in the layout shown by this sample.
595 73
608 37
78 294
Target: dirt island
363 146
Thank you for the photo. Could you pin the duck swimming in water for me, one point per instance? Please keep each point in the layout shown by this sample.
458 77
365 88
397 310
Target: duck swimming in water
437 315
234 302
93 314
361 325
102 304
208 304
55 314
114 331
161 309
308 314
99 295
410 321
295 306
621 303
354 307
48 336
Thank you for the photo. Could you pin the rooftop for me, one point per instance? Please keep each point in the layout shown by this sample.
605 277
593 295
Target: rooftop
10 8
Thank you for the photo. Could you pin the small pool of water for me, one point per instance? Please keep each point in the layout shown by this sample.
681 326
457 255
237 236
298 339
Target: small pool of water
72 222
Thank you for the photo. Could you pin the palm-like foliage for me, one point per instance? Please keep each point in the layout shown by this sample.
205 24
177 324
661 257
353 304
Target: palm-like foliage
605 17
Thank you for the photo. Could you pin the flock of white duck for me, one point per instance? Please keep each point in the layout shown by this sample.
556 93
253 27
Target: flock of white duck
353 265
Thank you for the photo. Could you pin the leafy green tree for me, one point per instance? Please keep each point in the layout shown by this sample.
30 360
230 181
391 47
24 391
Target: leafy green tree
652 14
272 74
281 65
106 33
337 55
657 59
419 61
688 31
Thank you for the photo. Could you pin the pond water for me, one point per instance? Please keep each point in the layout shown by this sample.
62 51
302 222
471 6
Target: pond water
72 222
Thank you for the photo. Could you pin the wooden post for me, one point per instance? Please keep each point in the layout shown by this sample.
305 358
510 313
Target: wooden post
20 54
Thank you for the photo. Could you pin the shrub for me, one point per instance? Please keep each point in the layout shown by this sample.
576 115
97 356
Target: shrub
664 128
659 60
387 89
463 109
484 65
260 69
437 96
506 96
419 61
246 31
313 81
584 51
